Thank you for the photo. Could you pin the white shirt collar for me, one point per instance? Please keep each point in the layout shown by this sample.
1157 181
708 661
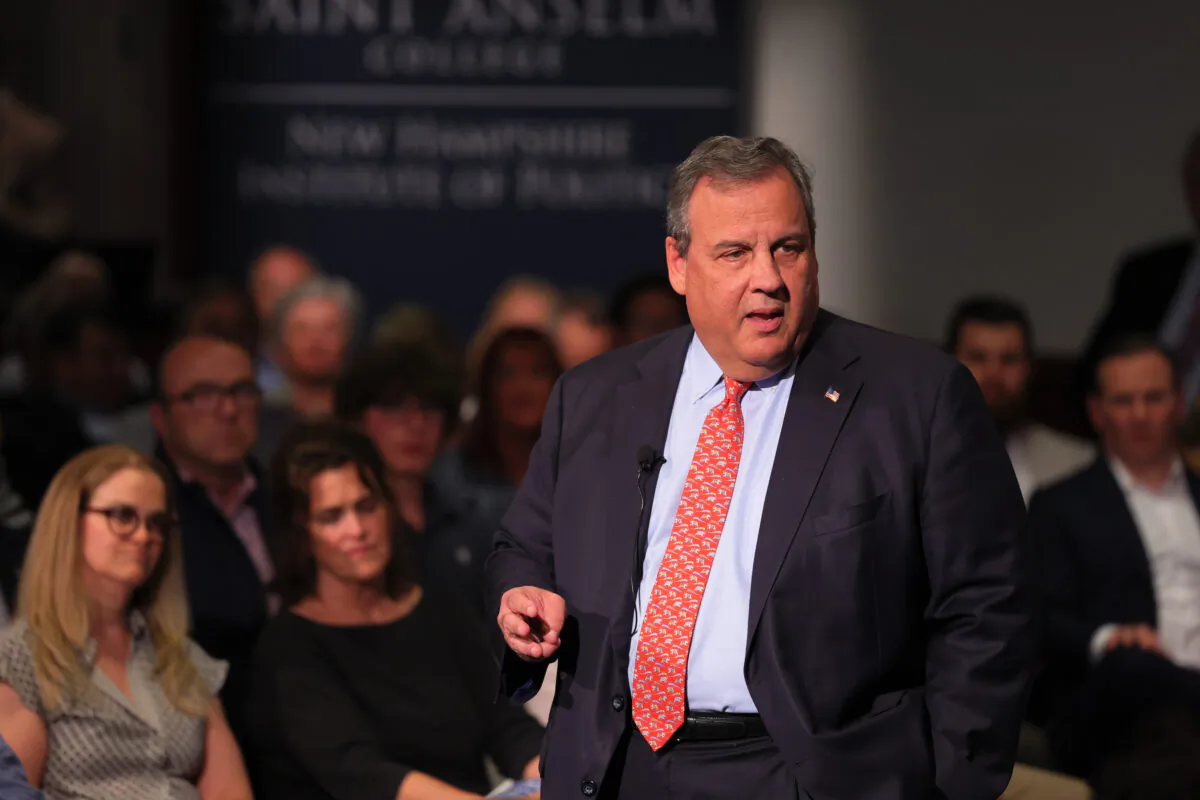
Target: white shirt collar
1175 477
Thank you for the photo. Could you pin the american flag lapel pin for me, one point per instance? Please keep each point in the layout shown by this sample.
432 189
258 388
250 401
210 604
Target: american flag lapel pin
832 395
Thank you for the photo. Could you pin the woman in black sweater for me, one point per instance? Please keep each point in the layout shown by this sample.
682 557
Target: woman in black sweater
368 687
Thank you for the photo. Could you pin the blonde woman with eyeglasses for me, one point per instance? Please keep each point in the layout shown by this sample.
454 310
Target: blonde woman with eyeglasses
101 692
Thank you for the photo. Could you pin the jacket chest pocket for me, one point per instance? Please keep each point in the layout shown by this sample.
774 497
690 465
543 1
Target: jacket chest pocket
850 517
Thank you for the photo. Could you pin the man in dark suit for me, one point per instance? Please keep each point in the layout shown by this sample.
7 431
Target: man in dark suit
1121 567
1157 290
206 416
837 497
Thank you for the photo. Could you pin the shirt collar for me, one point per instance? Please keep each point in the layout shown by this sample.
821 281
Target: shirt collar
237 499
1175 477
701 374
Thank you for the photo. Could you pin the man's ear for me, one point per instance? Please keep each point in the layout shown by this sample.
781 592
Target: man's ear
676 266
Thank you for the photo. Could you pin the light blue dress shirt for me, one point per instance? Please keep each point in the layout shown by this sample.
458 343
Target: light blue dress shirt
715 664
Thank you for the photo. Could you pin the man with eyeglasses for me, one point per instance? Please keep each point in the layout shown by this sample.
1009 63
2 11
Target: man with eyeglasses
206 415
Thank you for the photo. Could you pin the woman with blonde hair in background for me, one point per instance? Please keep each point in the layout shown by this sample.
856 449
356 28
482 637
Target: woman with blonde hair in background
102 693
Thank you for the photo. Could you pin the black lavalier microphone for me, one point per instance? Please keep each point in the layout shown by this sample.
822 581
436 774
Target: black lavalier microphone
648 459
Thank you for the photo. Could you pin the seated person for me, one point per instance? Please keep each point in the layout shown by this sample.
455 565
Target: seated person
369 687
992 337
405 399
1121 550
206 416
515 378
102 693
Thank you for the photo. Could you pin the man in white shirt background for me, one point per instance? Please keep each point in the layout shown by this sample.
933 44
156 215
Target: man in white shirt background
992 337
1121 574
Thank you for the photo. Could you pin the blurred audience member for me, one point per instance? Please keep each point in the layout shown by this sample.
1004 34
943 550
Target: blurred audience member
313 328
646 307
411 324
992 337
1157 292
406 401
515 379
73 279
86 402
522 301
581 330
371 685
224 311
206 416
103 694
275 272
1121 550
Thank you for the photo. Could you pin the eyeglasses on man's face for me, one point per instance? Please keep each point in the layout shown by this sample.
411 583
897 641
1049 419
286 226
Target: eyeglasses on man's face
207 397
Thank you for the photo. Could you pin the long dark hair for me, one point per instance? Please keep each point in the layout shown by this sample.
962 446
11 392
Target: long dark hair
308 450
479 447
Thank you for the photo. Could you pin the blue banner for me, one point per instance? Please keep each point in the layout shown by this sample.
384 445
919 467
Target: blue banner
427 150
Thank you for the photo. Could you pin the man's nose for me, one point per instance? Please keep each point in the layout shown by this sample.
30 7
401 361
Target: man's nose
765 274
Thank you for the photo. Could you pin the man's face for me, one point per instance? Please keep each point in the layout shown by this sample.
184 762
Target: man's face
209 414
997 357
315 336
1136 408
276 273
750 273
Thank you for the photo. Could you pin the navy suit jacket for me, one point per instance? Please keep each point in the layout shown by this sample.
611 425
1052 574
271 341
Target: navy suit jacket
890 634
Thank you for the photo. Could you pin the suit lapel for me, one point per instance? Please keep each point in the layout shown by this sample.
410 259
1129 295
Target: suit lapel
640 416
1128 549
810 429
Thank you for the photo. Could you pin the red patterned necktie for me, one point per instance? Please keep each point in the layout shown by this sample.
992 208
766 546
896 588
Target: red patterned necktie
660 671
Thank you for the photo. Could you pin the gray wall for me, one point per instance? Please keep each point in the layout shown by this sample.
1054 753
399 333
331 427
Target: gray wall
1013 147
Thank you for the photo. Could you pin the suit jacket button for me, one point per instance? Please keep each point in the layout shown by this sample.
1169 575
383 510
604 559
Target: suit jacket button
588 788
618 703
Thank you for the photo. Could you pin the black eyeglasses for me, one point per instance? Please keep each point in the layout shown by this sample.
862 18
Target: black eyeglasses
124 521
207 397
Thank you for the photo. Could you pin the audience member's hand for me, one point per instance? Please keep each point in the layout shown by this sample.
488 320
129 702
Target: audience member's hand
1142 637
531 620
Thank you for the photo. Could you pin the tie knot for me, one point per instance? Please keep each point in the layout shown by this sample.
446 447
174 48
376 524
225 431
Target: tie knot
735 390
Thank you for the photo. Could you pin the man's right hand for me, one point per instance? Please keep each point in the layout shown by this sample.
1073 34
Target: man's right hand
1142 637
531 620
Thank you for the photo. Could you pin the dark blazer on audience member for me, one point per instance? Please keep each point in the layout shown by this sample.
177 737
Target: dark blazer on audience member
1095 569
1141 295
226 597
890 639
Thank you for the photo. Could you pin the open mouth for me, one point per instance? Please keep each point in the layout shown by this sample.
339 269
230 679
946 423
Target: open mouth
766 320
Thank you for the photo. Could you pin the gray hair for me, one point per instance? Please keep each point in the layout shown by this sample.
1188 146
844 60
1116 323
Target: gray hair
736 160
339 290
